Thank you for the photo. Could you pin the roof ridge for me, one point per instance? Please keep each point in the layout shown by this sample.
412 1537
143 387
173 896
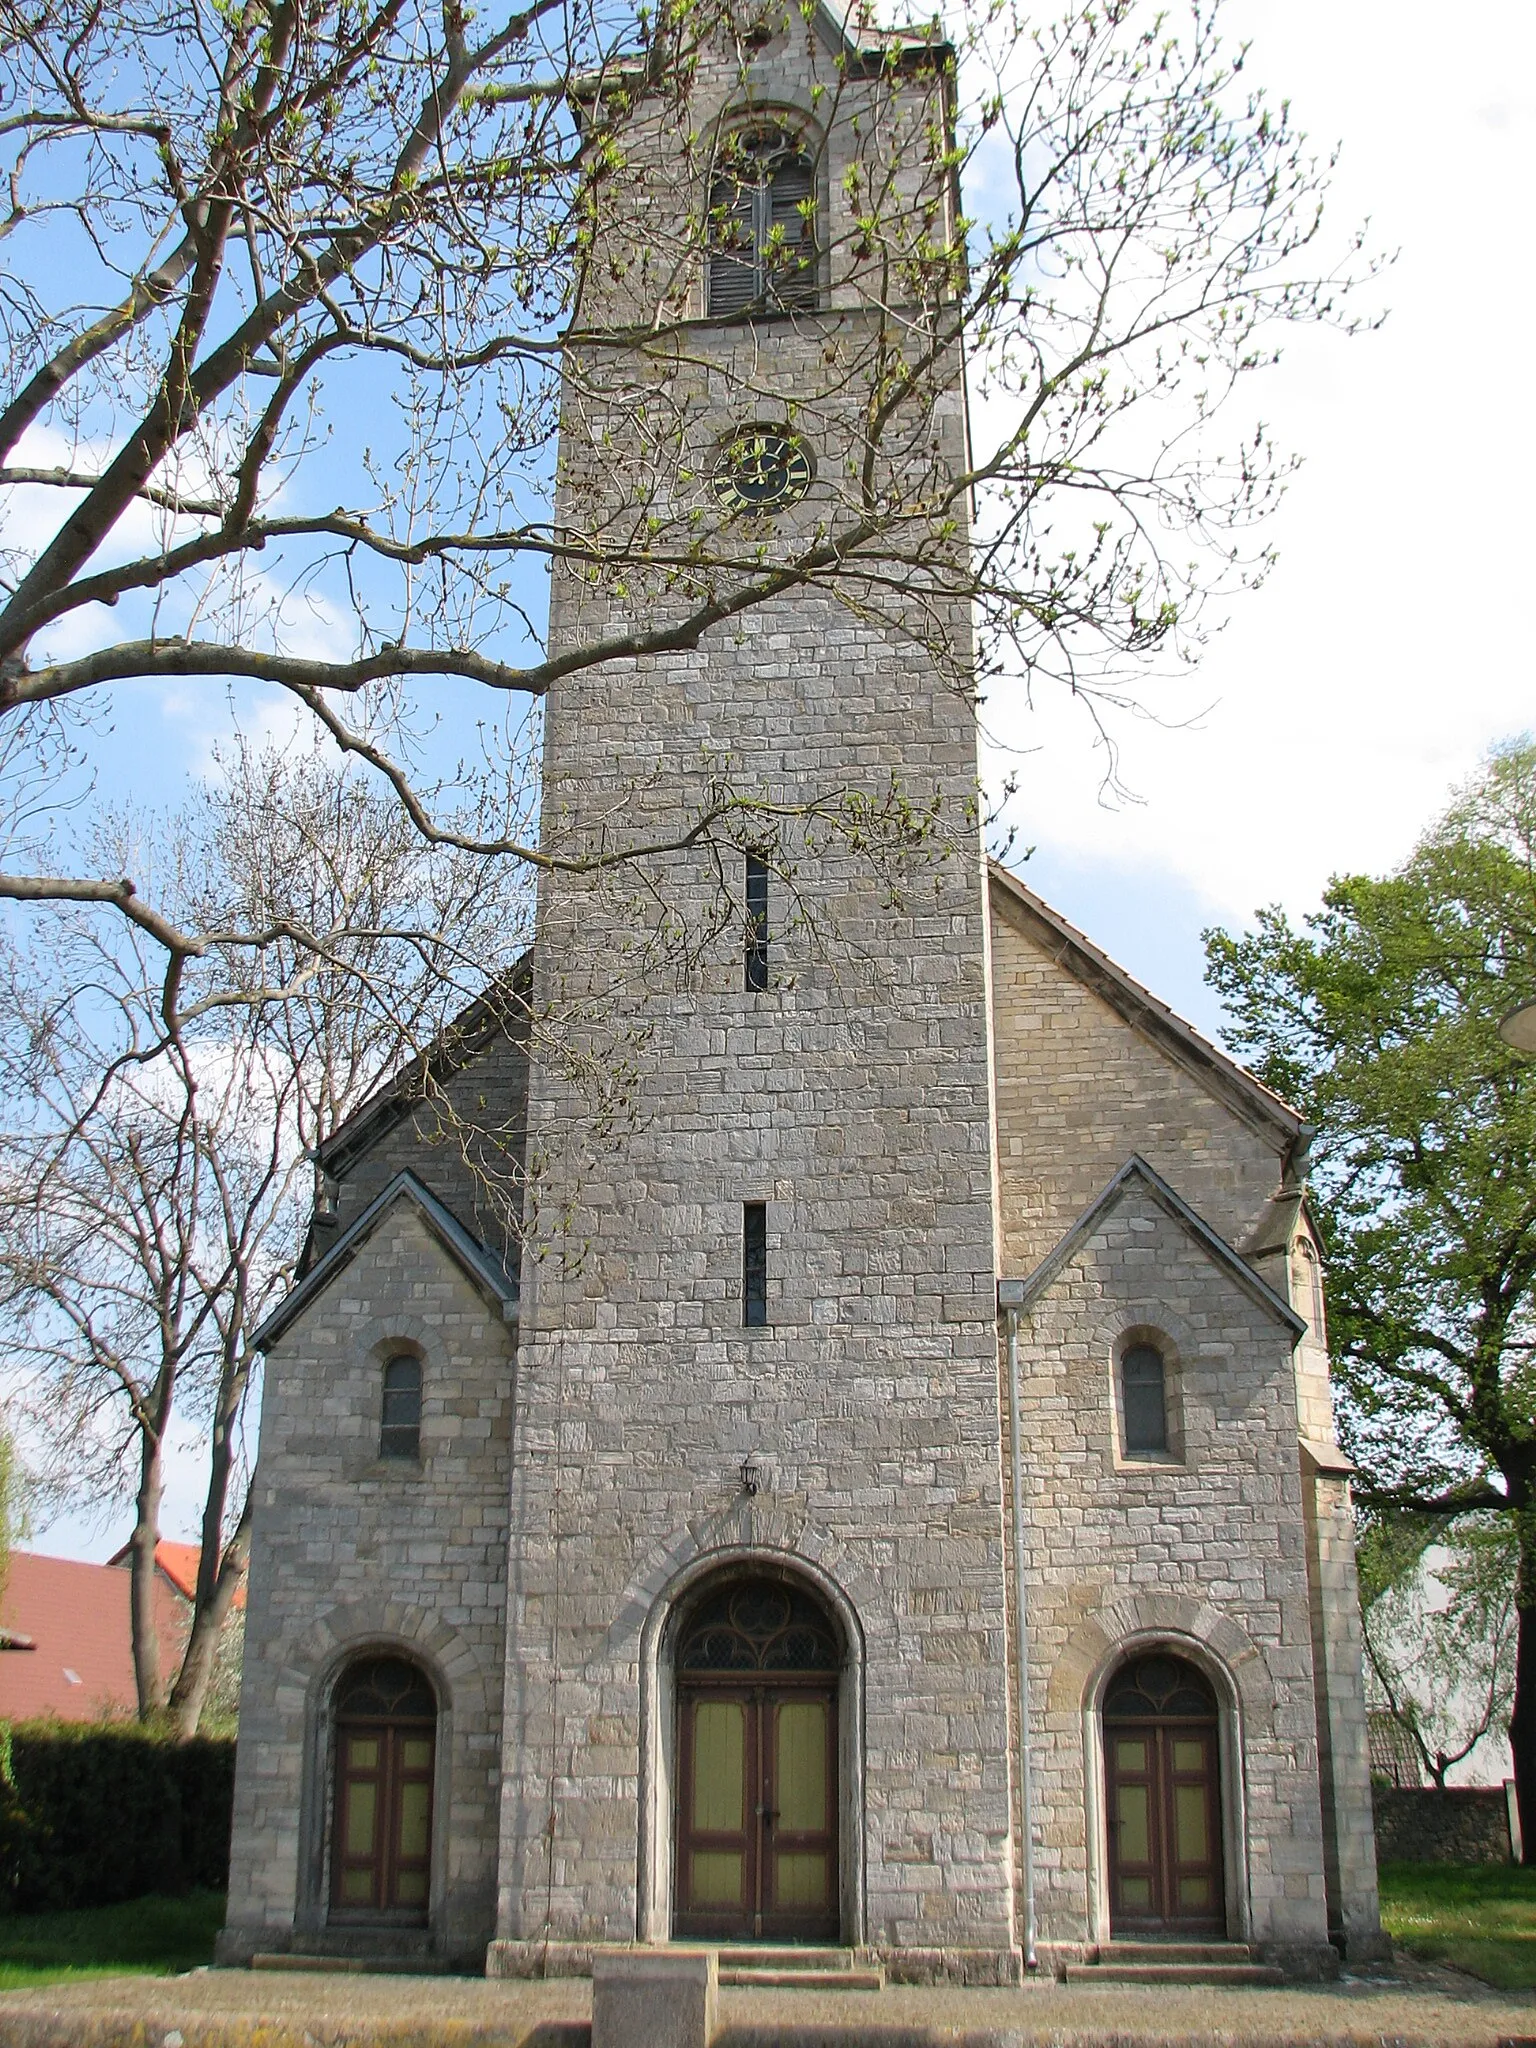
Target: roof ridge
449 1050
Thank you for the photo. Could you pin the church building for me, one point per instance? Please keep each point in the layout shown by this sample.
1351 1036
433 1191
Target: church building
873 1484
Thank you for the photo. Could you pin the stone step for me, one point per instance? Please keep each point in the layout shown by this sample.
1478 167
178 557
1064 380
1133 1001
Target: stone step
784 1977
783 1956
369 1965
1153 1950
1215 1975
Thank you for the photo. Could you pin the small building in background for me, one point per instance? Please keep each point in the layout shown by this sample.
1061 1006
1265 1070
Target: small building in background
66 1634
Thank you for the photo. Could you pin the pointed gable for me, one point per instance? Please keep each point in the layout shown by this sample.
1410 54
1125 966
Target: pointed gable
488 1274
1021 1294
1091 1068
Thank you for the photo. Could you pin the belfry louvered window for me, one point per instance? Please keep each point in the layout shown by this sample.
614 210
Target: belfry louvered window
762 225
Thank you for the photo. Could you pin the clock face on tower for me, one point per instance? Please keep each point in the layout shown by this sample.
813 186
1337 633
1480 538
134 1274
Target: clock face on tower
761 469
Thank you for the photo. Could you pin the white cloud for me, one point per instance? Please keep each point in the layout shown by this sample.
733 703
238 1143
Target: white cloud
1391 646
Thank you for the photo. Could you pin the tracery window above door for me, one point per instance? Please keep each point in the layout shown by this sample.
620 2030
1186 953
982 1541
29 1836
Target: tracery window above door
1158 1687
385 1689
757 1626
762 225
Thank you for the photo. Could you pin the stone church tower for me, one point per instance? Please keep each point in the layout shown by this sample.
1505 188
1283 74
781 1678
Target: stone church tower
647 1572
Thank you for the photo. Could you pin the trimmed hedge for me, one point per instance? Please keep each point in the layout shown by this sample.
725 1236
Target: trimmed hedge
95 1812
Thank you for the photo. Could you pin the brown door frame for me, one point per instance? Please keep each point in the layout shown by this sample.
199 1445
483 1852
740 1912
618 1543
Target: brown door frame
1163 1872
760 1693
386 1862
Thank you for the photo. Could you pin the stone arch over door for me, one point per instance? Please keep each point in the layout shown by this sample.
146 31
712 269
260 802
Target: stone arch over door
675 1599
337 1640
1130 1627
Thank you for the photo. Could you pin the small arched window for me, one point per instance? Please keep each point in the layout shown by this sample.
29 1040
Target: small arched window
400 1436
762 225
1143 1400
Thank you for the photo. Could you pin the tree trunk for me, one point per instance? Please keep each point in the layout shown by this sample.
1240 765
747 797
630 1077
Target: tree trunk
146 1535
196 1674
1522 1720
220 1567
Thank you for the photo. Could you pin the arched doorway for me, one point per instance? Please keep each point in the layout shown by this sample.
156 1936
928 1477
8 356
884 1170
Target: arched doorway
1163 1800
385 1716
756 1667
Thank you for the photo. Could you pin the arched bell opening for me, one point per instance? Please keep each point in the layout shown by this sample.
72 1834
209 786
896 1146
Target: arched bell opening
758 1666
384 1745
1162 1800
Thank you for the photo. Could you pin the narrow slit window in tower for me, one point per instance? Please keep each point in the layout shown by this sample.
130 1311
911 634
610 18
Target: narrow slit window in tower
754 1264
757 922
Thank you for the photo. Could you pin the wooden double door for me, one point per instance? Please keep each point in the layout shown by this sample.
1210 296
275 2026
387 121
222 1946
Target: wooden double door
1163 1794
381 1837
757 1812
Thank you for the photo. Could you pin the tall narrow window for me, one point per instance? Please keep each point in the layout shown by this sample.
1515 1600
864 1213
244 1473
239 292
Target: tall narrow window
754 1264
400 1436
757 922
1307 1296
762 234
1143 1399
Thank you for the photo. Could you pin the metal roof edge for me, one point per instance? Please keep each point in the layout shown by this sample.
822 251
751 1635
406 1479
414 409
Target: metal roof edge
467 1251
1022 1294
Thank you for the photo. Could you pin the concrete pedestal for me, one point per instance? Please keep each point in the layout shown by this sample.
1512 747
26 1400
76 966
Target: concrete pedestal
646 2000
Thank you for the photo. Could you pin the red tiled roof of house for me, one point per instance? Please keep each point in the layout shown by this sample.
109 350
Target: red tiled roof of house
179 1563
77 1615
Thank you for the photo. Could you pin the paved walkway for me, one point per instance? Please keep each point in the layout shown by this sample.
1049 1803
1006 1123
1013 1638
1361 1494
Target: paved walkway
242 2009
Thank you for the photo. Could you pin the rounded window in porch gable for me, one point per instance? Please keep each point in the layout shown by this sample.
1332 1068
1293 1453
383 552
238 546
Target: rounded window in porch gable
1149 1421
1307 1288
400 1418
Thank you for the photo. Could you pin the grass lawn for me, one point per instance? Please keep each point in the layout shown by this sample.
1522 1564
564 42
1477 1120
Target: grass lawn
153 1937
1479 1918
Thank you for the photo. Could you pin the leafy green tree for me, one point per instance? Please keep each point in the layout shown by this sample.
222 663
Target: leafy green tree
1379 1018
1440 1632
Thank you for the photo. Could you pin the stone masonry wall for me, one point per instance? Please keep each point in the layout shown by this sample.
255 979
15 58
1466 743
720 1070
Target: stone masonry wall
1079 1090
351 1552
853 1100
471 1135
1463 1824
1204 1552
1338 1649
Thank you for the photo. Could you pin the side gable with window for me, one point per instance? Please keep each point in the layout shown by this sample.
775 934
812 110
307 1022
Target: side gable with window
1161 1461
380 1523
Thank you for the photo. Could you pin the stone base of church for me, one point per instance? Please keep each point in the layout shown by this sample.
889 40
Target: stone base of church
972 1966
1304 1962
366 1948
981 1966
1373 1947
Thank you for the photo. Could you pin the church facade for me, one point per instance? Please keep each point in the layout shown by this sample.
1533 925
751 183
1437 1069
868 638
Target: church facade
649 1567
